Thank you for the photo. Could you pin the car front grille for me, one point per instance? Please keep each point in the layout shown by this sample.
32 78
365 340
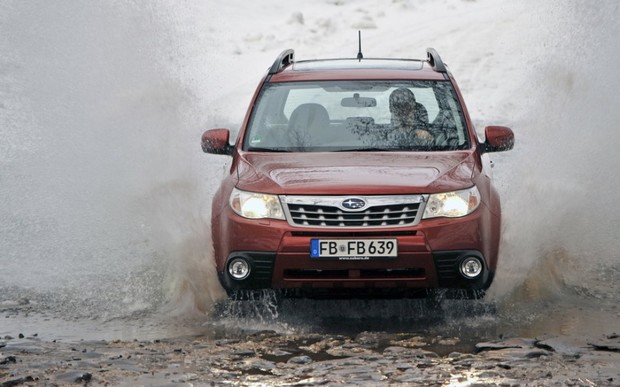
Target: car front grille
328 211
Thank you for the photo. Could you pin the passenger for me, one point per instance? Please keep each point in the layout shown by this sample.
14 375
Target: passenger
409 119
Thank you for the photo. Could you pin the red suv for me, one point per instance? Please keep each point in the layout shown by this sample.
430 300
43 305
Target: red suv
357 177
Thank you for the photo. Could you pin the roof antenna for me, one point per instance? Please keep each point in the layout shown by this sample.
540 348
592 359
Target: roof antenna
359 53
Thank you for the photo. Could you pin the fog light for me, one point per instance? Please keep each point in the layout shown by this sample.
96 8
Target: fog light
471 267
239 269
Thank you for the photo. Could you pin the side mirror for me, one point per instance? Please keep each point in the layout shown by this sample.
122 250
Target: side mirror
215 141
498 138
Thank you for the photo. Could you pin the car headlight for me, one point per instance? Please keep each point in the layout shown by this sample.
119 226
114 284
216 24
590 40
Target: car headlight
254 205
452 204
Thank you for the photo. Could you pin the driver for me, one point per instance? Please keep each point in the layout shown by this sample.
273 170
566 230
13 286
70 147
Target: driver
409 119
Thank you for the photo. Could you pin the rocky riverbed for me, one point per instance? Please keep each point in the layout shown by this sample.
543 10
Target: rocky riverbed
266 357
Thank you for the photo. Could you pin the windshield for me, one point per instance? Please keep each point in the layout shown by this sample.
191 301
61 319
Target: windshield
357 116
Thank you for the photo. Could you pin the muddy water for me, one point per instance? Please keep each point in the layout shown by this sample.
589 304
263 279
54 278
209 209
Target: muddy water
105 193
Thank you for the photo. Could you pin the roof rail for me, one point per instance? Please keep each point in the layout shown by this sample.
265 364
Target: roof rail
286 57
435 61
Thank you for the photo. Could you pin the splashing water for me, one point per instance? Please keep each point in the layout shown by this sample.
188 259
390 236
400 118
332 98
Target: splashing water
103 202
560 202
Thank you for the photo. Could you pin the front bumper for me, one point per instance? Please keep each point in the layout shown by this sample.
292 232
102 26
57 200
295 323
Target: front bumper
437 270
429 256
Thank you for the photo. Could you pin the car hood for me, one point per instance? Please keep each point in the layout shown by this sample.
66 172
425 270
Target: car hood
355 173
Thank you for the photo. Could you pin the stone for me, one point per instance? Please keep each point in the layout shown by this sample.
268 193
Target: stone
9 359
300 360
503 344
348 351
244 352
259 364
412 342
18 381
610 343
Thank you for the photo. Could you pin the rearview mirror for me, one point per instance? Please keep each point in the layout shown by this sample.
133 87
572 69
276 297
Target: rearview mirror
498 139
215 141
357 101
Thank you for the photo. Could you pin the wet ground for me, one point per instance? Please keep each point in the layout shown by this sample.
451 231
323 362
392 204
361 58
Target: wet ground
270 358
567 340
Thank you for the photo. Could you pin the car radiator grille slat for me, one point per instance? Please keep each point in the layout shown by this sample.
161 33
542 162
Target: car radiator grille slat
377 216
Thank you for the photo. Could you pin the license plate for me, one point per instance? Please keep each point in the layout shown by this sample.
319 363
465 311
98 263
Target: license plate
353 248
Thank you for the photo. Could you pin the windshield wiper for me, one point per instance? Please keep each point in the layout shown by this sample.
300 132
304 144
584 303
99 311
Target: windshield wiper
258 149
367 150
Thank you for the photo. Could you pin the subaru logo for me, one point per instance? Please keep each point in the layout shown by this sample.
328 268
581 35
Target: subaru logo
353 204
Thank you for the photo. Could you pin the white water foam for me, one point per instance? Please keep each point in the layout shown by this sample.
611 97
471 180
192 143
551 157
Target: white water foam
104 194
